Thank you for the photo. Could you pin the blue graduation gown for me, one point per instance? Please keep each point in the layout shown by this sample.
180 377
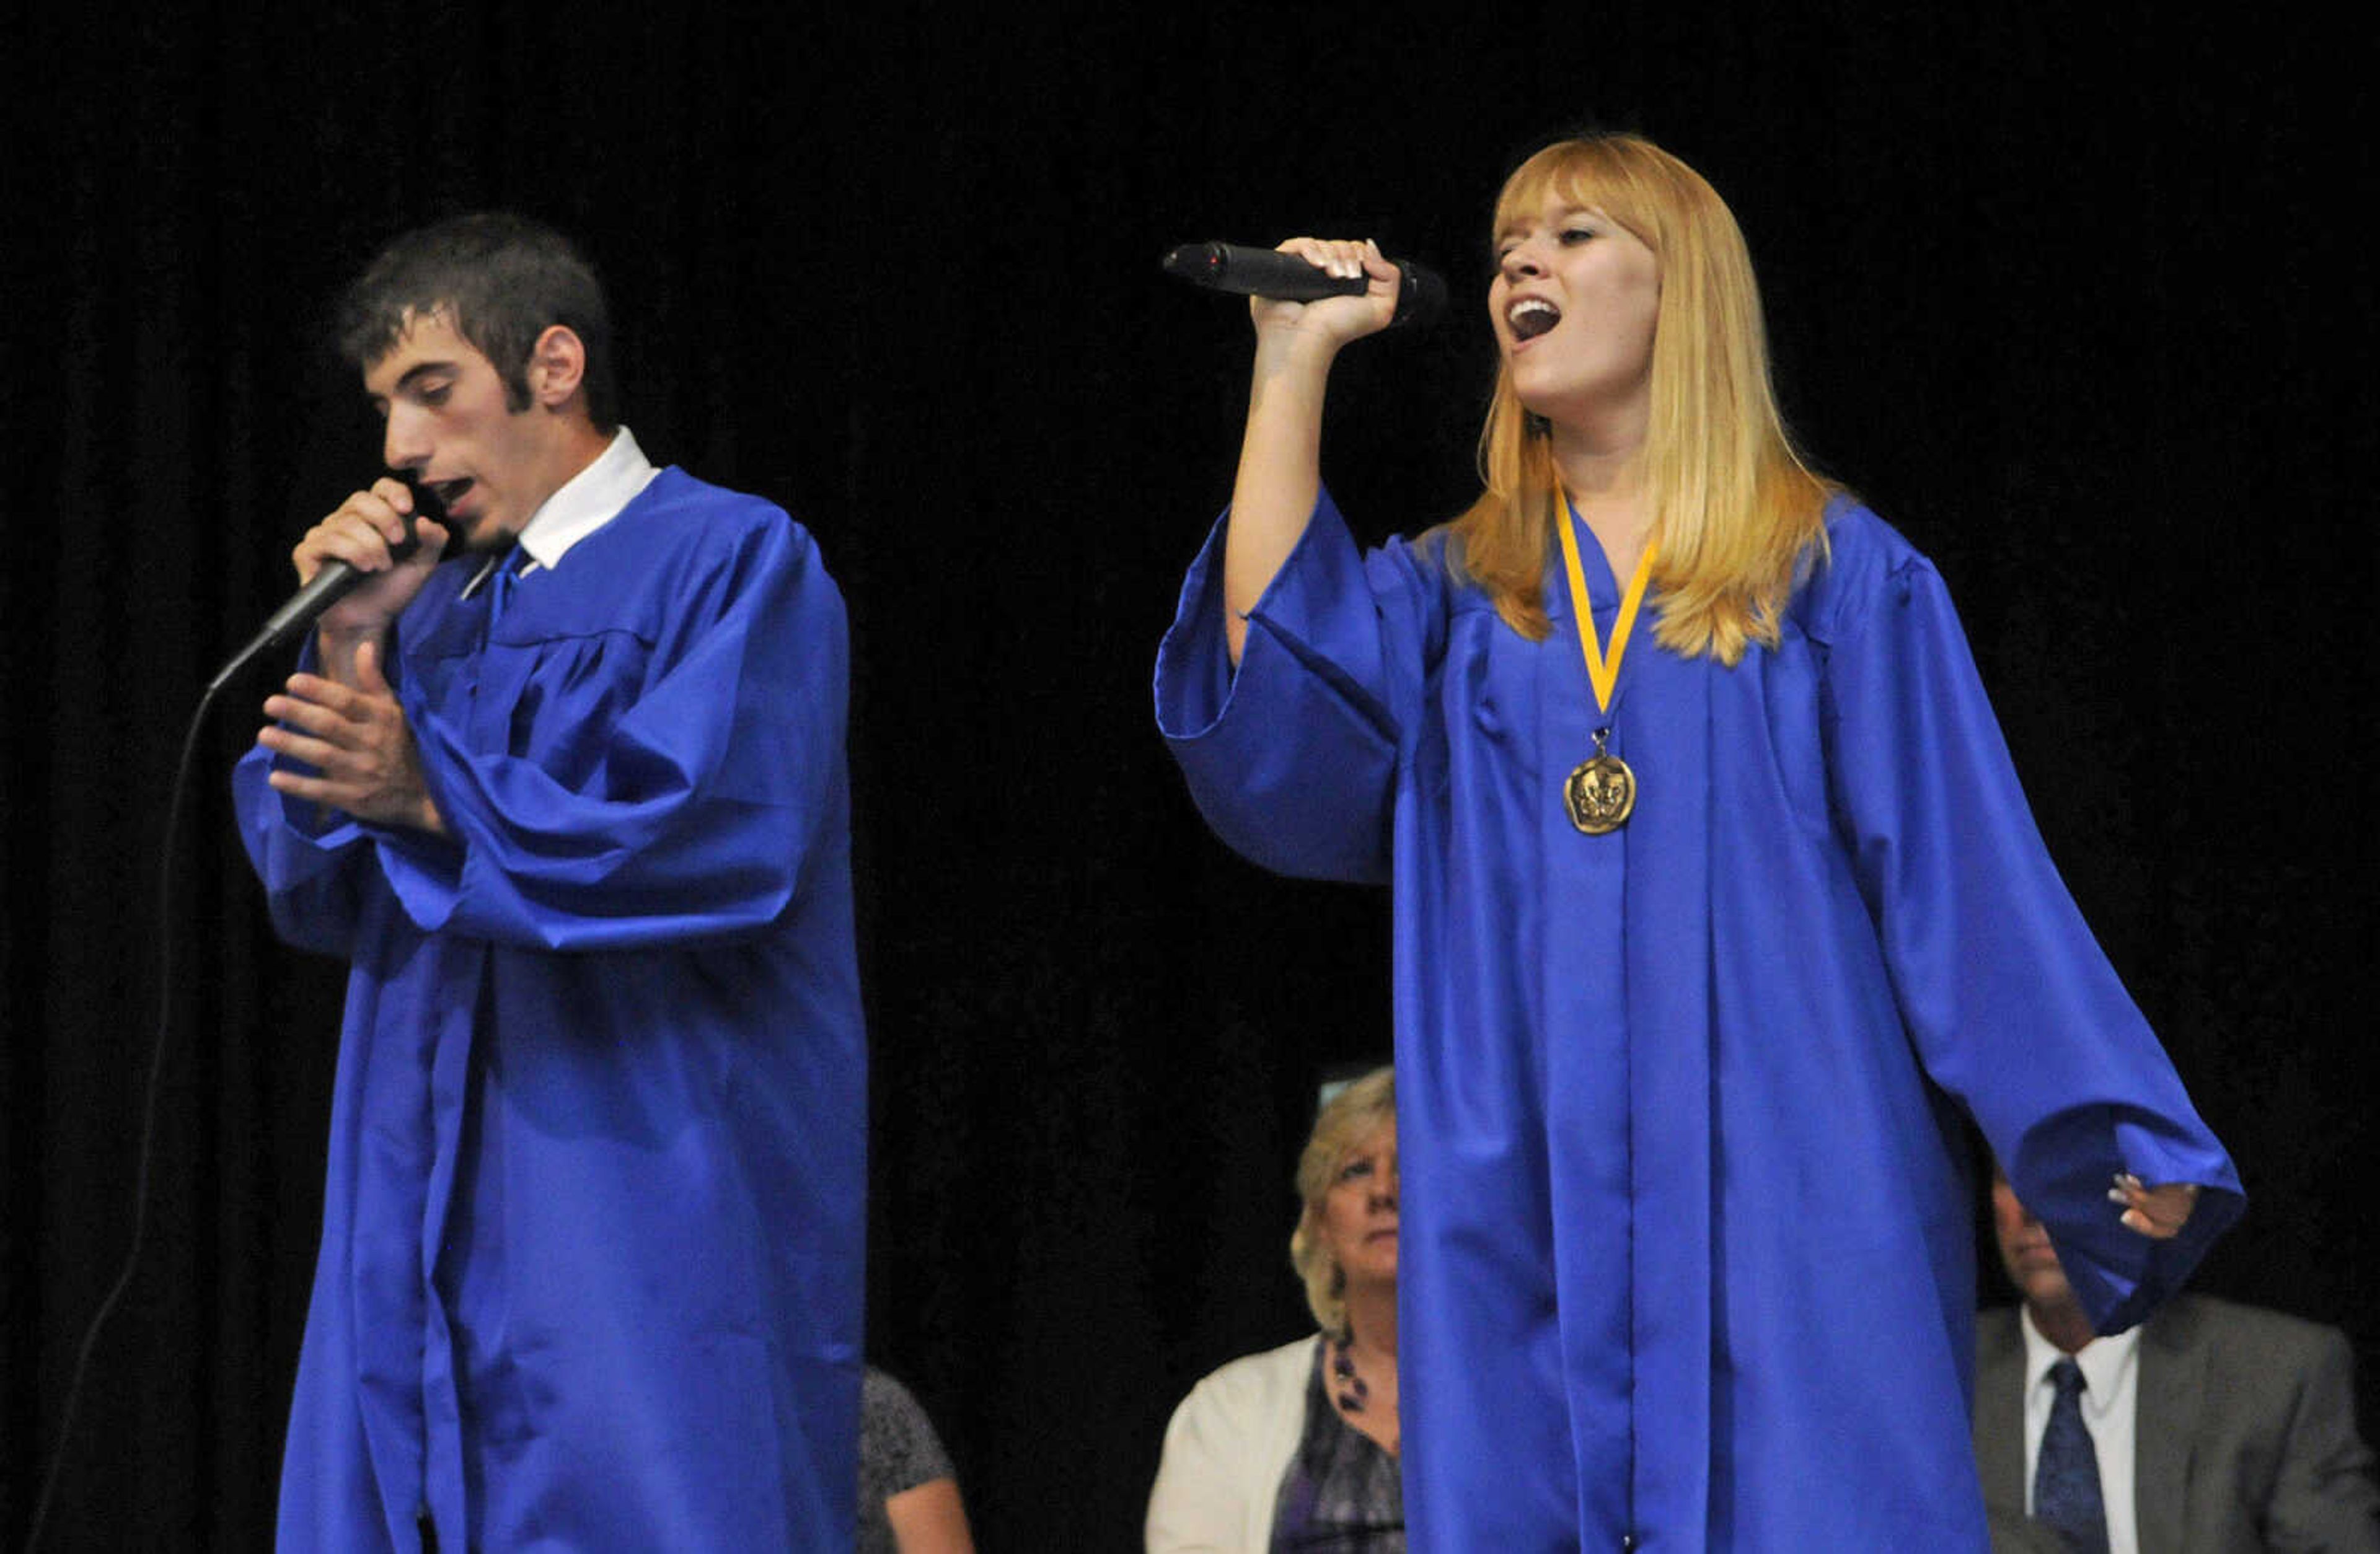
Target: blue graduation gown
591 1259
1688 1240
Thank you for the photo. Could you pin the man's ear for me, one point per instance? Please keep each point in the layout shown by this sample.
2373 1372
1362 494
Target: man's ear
557 367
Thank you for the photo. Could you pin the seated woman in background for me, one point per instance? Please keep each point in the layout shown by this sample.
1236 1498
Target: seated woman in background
1297 1447
909 1494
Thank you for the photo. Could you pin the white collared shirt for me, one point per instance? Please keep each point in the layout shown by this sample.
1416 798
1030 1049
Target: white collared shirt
587 501
2110 1399
582 504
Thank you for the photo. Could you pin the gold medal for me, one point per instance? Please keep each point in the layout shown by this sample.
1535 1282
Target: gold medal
1601 792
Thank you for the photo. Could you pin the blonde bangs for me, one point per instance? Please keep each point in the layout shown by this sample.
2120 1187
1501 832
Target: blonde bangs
1585 175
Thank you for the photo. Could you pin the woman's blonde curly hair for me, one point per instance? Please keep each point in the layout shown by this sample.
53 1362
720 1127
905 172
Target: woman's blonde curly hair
1345 1124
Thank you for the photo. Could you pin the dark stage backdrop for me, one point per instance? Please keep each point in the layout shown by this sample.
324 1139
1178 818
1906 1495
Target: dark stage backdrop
2073 302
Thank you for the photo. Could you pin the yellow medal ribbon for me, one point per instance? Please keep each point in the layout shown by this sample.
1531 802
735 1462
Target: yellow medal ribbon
1602 668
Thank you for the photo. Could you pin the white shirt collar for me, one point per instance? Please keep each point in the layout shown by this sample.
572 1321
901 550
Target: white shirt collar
582 504
587 501
2103 1361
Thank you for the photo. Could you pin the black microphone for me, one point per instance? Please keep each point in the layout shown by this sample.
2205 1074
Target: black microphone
331 583
1245 272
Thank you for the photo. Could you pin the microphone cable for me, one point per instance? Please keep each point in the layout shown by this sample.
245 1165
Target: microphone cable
148 1120
332 582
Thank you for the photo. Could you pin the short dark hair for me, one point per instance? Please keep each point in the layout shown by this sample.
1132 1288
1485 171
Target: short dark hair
500 280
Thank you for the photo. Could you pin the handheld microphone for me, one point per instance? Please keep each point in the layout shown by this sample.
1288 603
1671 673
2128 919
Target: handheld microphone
1246 271
332 582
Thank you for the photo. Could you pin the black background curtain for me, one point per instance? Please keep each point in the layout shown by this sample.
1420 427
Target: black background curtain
2074 301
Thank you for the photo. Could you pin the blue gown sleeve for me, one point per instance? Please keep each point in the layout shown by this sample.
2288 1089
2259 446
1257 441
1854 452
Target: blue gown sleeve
2012 1006
310 860
1292 760
711 792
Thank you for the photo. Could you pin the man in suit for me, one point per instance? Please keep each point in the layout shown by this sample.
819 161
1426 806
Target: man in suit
2214 1429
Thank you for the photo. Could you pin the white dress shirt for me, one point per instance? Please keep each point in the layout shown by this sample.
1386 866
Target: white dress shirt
2110 1398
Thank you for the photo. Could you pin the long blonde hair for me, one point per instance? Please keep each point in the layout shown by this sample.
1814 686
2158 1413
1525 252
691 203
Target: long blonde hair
1736 513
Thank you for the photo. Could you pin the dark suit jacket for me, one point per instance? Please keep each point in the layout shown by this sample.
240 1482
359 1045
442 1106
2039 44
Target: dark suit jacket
2245 1440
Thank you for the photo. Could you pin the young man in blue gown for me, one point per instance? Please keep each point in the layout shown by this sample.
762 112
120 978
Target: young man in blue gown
566 785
